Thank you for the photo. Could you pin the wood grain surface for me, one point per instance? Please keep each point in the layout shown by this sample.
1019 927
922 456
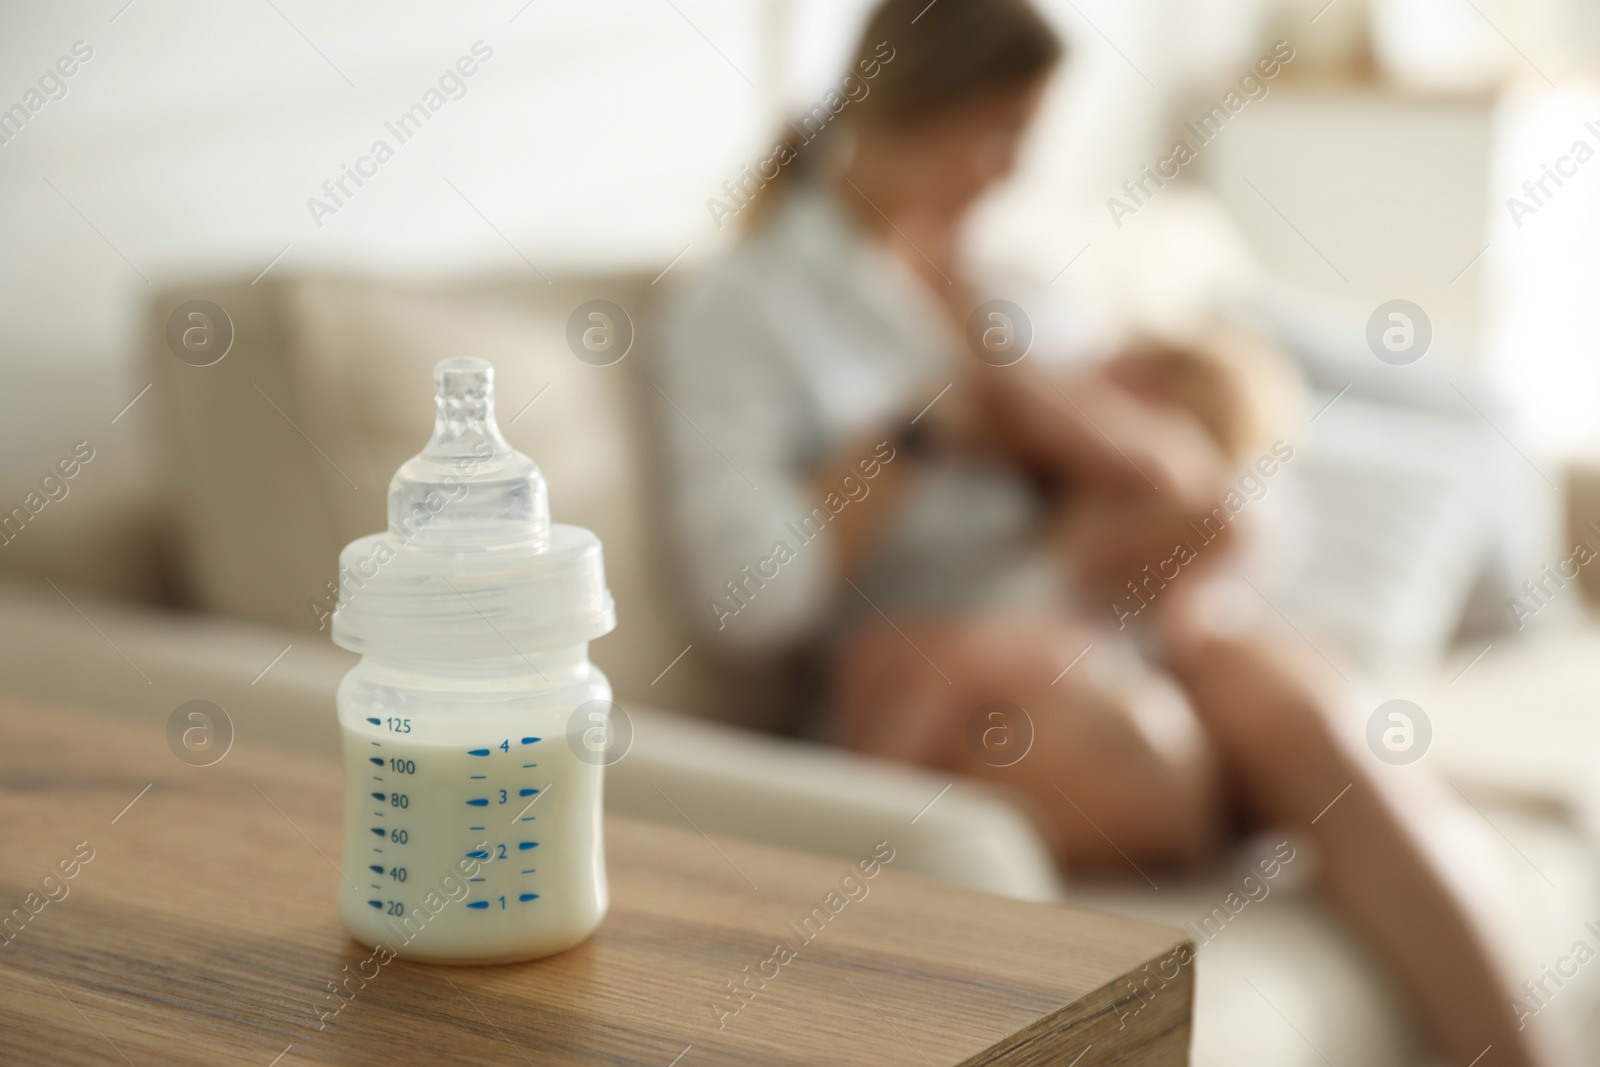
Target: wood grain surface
203 931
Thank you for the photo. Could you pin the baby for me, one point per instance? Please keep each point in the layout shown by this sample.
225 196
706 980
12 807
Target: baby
1130 453
1233 382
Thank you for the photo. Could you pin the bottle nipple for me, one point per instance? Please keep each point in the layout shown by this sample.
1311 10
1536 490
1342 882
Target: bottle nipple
470 563
468 487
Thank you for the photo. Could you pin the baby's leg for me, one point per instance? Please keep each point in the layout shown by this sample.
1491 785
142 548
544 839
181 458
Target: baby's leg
1116 762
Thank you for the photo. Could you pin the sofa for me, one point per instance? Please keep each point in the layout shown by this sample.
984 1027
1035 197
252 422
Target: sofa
191 560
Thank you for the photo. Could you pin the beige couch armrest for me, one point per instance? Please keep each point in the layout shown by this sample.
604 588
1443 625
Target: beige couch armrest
739 783
724 780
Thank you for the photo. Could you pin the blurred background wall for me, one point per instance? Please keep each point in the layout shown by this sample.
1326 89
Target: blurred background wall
194 135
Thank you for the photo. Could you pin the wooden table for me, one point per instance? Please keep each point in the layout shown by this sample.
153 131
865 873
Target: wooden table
203 931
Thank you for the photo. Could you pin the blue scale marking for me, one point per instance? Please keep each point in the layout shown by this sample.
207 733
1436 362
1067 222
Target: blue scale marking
375 722
376 761
525 897
530 871
523 846
478 855
479 802
530 740
375 868
376 904
477 879
526 792
476 828
378 830
377 796
479 777
478 752
477 904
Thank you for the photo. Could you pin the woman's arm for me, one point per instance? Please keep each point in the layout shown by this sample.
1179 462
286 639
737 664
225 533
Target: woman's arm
1093 432
869 476
885 460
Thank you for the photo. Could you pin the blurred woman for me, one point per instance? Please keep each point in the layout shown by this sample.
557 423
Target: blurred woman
867 480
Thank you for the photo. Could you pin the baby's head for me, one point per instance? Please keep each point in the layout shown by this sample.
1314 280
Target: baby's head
1236 384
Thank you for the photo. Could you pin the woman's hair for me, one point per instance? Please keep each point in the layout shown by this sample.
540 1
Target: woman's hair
916 61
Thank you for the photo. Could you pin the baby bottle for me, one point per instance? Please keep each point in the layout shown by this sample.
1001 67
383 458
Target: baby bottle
471 826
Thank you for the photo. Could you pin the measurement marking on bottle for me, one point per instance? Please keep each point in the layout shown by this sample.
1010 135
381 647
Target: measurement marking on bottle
475 828
523 846
526 766
480 904
479 802
376 904
477 879
480 854
375 722
377 744
528 818
478 752
530 871
376 761
476 777
378 830
530 740
525 897
376 868
526 792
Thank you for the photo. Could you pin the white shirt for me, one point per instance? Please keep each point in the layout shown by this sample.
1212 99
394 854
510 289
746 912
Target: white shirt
806 337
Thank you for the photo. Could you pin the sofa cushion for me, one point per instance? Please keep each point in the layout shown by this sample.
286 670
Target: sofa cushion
282 451
98 528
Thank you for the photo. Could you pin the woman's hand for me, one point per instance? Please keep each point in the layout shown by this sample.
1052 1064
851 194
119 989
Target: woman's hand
1146 478
1095 434
1110 541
